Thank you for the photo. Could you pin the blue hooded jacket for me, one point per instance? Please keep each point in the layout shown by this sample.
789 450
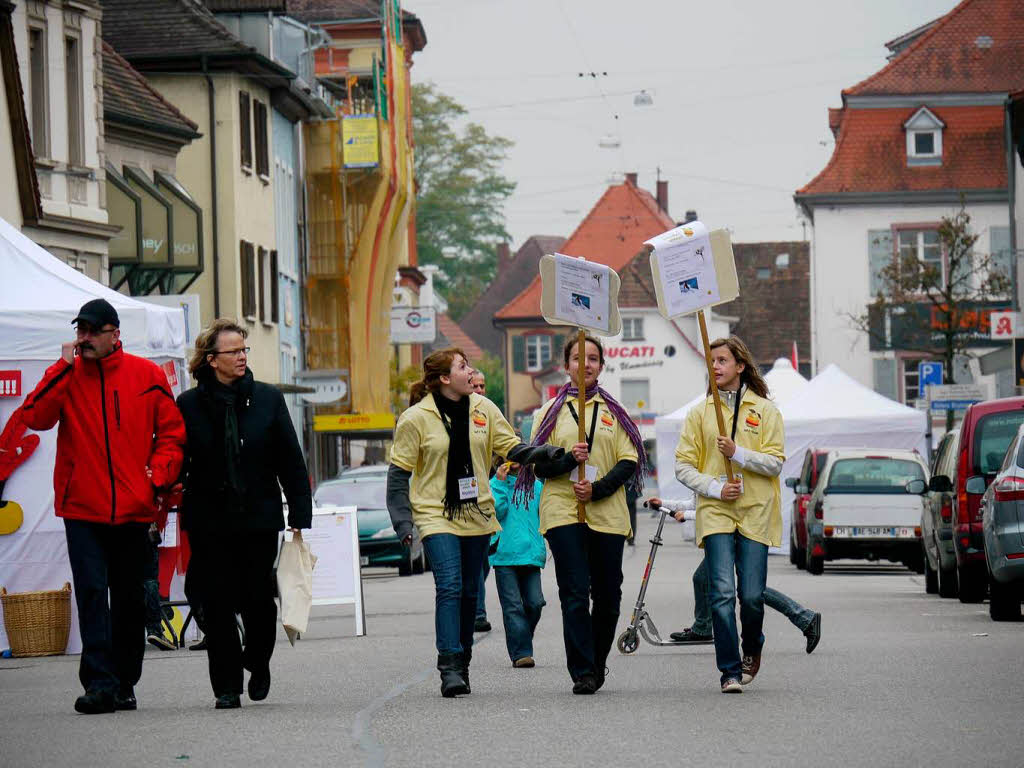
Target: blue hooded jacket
519 540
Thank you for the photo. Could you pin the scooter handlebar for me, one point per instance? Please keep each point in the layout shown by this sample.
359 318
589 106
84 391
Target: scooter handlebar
688 514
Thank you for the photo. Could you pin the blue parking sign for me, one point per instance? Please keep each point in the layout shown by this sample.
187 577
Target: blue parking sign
928 374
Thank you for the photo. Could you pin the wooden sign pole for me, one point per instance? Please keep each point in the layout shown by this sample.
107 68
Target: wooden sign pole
581 384
713 384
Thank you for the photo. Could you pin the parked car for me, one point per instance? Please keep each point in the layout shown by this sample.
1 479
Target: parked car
867 506
937 519
379 544
986 432
1002 525
366 472
803 485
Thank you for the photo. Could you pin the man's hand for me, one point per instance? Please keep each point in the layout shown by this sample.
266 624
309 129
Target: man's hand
731 491
67 351
584 491
580 452
726 446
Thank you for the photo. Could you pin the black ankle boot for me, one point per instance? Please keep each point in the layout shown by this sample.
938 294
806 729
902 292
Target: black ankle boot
466 658
452 681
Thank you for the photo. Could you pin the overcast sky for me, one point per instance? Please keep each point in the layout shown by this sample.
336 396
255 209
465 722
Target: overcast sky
740 89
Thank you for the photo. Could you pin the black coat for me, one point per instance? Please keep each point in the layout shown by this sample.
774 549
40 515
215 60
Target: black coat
270 454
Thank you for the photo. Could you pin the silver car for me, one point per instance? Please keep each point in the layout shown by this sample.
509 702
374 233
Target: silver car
937 519
1002 525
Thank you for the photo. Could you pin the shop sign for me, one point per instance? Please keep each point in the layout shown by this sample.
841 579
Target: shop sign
359 141
353 422
922 326
413 325
10 383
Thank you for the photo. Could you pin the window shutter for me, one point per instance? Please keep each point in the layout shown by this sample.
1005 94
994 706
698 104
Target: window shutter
879 257
518 354
274 286
1002 256
262 148
245 275
245 133
558 344
885 377
263 284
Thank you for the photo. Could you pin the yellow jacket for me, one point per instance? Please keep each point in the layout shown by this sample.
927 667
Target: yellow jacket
757 513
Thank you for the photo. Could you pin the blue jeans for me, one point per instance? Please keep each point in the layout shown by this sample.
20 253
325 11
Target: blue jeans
481 595
588 566
455 562
735 560
521 600
800 617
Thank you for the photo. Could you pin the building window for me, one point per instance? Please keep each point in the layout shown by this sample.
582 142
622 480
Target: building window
911 390
924 143
764 273
632 329
924 246
924 138
636 394
248 265
245 132
73 72
538 351
259 114
267 265
37 91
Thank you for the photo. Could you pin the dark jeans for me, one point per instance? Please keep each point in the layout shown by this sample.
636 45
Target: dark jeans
522 600
108 565
481 595
151 589
588 565
734 559
237 576
800 617
456 562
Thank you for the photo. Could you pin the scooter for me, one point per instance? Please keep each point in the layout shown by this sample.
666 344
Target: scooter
640 623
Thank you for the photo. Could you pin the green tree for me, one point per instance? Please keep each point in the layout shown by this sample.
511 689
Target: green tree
460 197
494 378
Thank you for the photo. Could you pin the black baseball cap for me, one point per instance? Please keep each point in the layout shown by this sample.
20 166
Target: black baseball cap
97 313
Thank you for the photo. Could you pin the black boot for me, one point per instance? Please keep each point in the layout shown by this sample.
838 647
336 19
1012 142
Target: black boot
466 658
452 681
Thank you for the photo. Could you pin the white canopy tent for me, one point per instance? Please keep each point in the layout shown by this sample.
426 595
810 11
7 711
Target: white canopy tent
39 296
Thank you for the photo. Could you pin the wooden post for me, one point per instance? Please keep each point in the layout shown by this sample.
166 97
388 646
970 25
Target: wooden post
581 384
713 385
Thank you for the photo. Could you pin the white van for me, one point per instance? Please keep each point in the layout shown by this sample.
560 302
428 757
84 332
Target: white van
867 506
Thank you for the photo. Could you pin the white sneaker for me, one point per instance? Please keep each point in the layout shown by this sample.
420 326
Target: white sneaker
732 685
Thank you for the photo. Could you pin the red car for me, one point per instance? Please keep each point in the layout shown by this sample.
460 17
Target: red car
803 485
987 430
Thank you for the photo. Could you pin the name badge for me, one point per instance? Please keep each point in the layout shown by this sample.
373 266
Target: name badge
467 488
591 473
725 479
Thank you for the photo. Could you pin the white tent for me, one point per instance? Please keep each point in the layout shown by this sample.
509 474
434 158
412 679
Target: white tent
39 296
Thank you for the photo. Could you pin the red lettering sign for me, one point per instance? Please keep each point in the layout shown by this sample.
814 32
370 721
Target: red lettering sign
629 352
10 383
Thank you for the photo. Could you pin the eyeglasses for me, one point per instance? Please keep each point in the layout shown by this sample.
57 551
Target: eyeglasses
87 330
232 352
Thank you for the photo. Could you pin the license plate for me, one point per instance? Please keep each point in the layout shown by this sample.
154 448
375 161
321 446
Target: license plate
364 561
873 532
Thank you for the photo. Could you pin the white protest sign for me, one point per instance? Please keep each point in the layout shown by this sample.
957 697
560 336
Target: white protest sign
580 293
692 269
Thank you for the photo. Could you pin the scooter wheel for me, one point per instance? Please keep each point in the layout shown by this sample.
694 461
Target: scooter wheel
628 642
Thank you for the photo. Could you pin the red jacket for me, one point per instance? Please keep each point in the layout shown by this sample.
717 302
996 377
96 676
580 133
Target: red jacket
117 417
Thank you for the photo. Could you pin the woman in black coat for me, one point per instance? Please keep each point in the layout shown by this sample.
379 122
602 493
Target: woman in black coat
241 446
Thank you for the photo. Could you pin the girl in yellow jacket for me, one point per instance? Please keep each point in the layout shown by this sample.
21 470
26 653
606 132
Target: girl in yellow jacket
736 521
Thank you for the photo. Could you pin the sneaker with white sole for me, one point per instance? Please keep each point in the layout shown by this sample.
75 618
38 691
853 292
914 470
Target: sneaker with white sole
732 685
751 666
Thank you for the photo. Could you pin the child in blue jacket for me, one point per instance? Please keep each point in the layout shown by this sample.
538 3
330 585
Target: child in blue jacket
517 560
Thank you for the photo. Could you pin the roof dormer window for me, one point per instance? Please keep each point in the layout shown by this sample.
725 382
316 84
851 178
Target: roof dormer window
924 138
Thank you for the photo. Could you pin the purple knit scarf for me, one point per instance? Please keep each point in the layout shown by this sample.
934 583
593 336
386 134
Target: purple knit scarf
525 482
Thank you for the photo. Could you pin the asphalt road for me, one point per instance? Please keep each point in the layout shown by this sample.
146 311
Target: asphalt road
900 677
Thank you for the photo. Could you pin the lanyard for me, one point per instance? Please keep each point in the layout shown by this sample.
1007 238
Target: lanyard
593 423
736 414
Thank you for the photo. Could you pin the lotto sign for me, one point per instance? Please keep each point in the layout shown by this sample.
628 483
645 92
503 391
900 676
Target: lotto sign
1004 325
10 383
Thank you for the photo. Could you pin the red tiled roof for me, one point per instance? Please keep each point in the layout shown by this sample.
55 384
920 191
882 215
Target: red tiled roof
871 153
948 59
458 338
612 233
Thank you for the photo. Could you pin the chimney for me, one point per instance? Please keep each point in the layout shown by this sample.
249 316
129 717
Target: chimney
690 216
663 195
504 257
631 178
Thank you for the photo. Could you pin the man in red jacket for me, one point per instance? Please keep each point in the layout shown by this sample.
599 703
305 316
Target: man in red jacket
121 437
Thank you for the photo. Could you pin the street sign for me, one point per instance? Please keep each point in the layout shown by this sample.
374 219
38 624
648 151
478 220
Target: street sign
954 397
413 325
929 374
353 422
1005 325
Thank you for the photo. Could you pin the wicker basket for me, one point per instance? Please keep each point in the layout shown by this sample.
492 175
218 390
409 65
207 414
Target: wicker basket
37 623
